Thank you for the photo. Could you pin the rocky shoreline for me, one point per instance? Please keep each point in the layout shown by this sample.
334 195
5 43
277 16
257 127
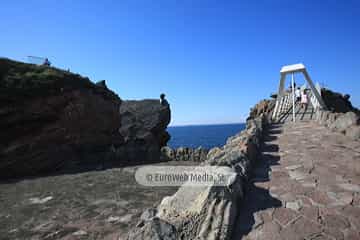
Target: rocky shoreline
184 154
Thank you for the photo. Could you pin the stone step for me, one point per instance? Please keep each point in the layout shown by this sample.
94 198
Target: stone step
300 114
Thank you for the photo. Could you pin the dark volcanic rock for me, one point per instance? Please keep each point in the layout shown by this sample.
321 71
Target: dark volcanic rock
143 125
52 119
337 102
154 229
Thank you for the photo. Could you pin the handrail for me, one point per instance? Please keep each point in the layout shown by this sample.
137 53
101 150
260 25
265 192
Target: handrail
314 101
284 103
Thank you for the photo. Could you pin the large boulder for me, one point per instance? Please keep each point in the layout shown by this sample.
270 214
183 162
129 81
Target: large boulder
142 126
55 120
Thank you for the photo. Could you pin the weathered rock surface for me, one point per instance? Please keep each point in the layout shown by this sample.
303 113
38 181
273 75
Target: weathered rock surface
155 228
353 132
346 123
52 119
142 126
342 122
209 212
264 107
341 116
184 154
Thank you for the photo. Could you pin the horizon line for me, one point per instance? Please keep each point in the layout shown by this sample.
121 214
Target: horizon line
205 124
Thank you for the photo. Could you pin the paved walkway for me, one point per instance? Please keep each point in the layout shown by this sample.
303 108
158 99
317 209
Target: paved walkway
307 186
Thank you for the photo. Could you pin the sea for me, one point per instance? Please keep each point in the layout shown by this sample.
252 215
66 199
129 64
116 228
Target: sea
206 136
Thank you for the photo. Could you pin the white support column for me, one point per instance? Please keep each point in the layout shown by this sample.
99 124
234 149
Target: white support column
313 89
293 95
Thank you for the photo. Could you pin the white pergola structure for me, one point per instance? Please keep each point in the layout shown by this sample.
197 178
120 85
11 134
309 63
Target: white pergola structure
292 69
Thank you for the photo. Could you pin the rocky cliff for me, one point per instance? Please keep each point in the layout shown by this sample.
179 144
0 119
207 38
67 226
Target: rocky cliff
56 120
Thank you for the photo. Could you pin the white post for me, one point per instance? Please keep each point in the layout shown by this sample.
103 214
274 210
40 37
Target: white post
293 94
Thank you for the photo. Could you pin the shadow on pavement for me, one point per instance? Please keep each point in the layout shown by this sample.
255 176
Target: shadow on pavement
258 198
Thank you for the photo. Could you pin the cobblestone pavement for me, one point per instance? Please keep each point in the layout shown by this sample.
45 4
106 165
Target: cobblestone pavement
307 186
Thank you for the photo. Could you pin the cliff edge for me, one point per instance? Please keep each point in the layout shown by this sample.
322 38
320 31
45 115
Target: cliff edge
53 120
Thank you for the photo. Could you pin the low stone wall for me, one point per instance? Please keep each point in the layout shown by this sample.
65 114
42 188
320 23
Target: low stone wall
184 154
347 123
206 212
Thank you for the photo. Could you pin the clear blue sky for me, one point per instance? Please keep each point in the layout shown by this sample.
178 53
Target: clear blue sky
213 59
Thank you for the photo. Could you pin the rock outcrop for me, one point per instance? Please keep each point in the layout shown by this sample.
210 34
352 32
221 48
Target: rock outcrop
347 123
206 212
55 120
142 127
264 107
184 154
341 116
337 102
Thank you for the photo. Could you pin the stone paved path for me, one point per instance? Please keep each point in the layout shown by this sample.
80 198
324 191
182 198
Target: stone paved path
307 186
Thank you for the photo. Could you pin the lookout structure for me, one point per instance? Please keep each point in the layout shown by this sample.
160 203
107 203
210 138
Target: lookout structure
285 101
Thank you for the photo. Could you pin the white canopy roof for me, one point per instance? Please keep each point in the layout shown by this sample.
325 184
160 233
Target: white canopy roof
292 68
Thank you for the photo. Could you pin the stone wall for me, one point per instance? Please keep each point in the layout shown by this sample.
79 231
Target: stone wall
184 154
347 123
206 212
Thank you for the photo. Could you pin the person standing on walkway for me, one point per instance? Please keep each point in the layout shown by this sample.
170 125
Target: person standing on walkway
298 95
304 99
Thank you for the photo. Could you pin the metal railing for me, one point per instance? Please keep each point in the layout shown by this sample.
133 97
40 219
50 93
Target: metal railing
314 101
283 104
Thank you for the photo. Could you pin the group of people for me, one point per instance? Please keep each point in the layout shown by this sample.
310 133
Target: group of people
302 97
